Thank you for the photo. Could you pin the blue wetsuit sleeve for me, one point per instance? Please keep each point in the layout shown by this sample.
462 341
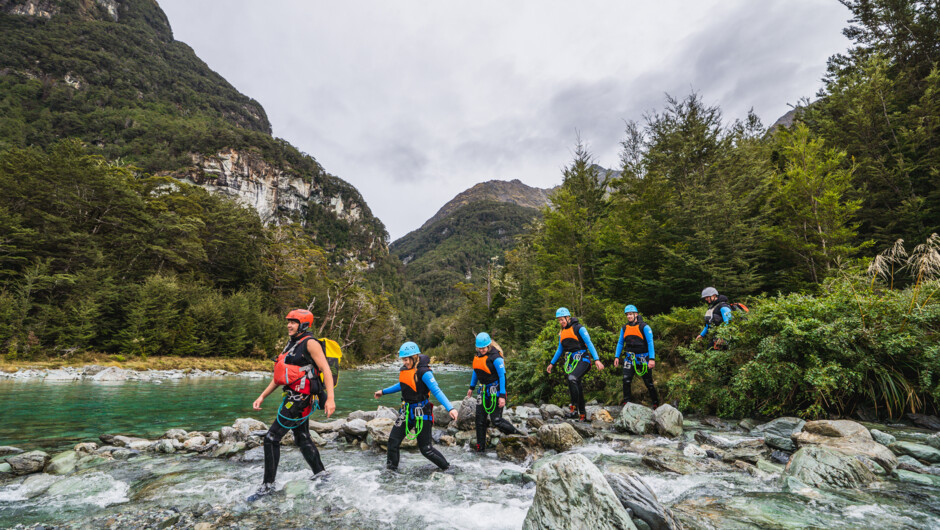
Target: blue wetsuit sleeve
648 333
704 331
619 345
726 314
557 354
392 389
431 383
501 371
587 342
473 379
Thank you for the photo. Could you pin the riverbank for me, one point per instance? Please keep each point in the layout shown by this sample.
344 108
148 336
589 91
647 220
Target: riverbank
626 467
206 364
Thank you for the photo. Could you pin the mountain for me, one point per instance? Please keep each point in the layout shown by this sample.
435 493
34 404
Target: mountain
512 191
110 73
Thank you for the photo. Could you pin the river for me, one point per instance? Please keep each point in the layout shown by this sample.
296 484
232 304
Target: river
184 489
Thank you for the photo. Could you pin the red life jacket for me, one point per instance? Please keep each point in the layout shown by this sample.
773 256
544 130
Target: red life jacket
290 368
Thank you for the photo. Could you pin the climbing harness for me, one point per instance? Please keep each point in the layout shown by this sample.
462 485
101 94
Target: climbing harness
571 362
418 411
494 399
297 422
637 366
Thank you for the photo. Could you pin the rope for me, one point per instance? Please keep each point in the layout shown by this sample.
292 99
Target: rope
639 371
489 409
569 365
419 423
297 421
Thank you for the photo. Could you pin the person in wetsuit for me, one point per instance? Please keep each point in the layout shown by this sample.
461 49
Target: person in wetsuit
303 357
718 313
636 343
489 370
416 383
575 343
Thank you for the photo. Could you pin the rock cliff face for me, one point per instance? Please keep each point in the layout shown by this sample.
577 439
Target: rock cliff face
512 191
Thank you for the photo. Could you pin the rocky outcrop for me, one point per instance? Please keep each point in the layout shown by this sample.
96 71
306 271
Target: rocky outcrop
572 493
822 466
636 419
637 497
517 448
668 421
559 436
848 437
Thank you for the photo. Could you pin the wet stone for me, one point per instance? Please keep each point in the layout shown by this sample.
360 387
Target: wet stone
778 442
882 437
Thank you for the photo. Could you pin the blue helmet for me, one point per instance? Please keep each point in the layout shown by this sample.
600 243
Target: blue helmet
630 309
408 349
562 312
483 340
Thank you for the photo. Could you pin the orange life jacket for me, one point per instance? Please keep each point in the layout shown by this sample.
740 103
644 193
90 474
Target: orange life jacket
570 338
633 339
290 374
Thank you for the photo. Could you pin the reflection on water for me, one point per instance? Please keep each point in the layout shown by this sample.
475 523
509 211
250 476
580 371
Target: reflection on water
56 415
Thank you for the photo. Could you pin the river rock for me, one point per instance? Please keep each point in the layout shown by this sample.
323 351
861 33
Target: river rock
355 429
917 478
706 438
559 436
131 442
165 445
550 411
603 415
5 469
848 437
123 453
244 426
636 496
784 427
747 424
779 442
7 450
518 448
466 414
180 434
523 412
323 428
586 430
926 421
392 414
717 423
62 463
112 374
511 476
253 455
572 493
195 443
228 434
26 463
694 451
462 437
86 448
441 417
227 449
361 415
933 440
824 466
882 437
63 374
668 420
918 451
636 419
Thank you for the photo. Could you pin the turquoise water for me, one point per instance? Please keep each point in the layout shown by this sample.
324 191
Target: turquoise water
56 415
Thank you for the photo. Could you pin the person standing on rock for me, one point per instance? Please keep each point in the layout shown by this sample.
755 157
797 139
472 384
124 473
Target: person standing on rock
575 343
718 313
298 370
489 370
639 355
416 383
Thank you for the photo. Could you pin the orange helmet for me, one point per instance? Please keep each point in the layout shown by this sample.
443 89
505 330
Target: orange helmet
303 317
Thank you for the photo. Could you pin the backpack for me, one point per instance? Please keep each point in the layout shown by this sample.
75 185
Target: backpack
334 355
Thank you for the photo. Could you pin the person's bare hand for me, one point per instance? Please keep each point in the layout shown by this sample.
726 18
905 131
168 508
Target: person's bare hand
599 364
378 394
616 362
652 363
502 402
257 404
549 369
453 414
470 393
330 407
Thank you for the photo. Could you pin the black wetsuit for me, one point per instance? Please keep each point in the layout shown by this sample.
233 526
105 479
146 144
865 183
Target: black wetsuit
415 393
297 404
489 370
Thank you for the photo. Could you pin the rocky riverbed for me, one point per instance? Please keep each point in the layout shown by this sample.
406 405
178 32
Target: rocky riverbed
628 467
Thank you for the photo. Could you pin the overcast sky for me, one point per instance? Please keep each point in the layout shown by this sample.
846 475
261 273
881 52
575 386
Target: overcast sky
413 102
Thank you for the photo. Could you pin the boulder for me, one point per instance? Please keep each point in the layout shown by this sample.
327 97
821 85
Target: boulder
441 417
571 493
323 428
244 426
509 476
523 412
518 448
131 442
86 448
27 463
194 443
180 434
355 429
462 437
62 463
559 436
7 450
361 415
550 411
379 430
466 414
5 469
784 427
637 497
586 430
778 442
392 414
882 437
694 451
820 466
848 437
111 374
668 421
603 415
925 421
165 446
934 440
228 434
227 449
917 478
918 451
636 419
705 438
